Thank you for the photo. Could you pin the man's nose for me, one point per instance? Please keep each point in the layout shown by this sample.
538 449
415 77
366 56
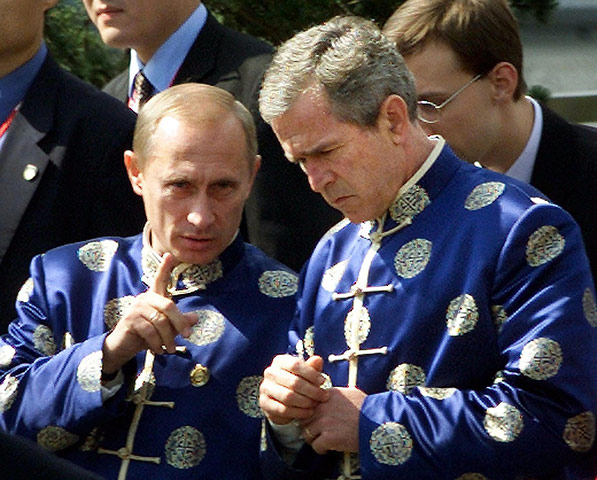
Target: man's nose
317 174
201 213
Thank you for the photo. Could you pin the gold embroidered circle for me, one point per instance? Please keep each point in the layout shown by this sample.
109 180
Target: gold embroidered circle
89 372
198 276
503 423
278 284
412 258
499 316
55 438
405 377
541 359
8 392
93 440
410 203
358 318
247 396
25 291
96 256
589 307
544 245
208 329
309 341
579 433
484 195
462 315
332 276
185 448
438 393
199 375
43 340
115 309
7 353
391 444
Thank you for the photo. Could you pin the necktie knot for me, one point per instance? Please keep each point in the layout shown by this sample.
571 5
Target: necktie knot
142 91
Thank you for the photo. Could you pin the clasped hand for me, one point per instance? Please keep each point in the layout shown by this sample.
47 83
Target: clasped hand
291 389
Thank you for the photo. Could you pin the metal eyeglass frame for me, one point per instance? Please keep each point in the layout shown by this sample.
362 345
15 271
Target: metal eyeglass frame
445 102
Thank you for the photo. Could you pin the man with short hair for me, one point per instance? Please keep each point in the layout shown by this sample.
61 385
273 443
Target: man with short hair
178 42
467 60
147 351
61 143
442 329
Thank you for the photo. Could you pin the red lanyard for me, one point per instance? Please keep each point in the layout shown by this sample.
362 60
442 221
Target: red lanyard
7 122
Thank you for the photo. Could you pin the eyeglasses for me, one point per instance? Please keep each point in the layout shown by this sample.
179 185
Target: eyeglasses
429 112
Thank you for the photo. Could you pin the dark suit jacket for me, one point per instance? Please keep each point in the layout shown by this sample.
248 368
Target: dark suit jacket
22 459
566 171
283 216
75 136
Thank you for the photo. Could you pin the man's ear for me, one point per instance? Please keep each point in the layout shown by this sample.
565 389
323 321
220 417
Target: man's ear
254 169
393 114
504 79
133 171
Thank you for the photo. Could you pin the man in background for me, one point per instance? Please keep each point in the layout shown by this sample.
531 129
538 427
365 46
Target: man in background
467 60
179 42
61 146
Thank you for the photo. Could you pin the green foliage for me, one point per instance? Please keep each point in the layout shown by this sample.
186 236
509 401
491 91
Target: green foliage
75 44
541 9
539 93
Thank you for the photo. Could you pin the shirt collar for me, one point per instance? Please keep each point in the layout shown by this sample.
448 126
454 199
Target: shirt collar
522 168
163 66
14 86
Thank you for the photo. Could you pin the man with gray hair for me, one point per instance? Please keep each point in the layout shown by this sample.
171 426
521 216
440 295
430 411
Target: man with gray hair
147 352
442 326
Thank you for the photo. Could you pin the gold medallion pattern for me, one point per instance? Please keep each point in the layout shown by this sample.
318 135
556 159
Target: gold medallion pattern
247 396
198 276
357 318
185 448
405 377
544 244
409 204
309 341
484 195
332 276
55 438
93 440
43 340
96 256
499 316
472 476
7 353
114 310
278 283
579 433
89 372
437 393
462 315
391 444
25 291
589 307
8 392
503 423
208 329
412 258
199 375
541 359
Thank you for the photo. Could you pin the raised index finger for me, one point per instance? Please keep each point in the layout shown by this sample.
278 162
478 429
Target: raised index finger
163 275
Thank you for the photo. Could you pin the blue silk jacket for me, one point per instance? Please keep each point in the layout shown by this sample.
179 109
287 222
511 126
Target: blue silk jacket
195 413
468 315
